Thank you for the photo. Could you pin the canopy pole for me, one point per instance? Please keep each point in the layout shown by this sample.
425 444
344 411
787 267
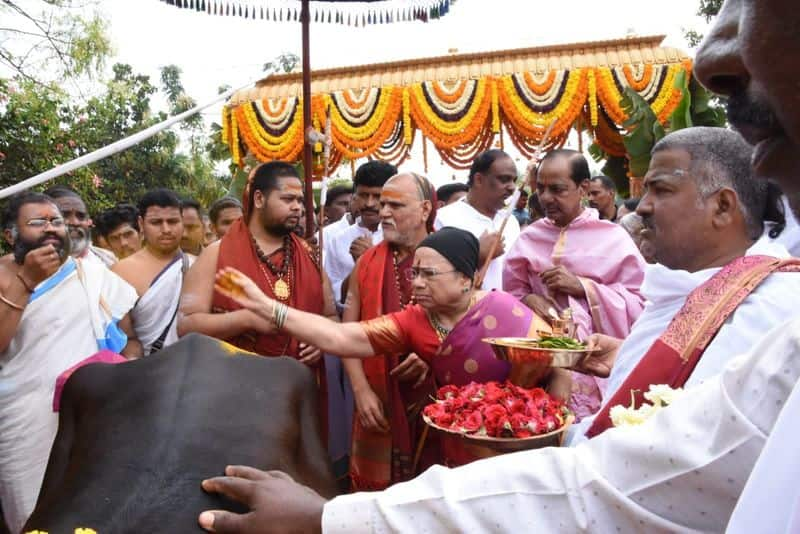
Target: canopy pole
305 21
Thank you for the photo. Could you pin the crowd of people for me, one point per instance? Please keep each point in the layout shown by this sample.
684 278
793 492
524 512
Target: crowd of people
690 286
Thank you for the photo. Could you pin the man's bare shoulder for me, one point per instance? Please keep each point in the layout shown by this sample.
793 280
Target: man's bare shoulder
207 259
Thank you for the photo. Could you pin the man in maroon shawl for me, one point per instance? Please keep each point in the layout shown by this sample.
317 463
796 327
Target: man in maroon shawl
389 391
262 245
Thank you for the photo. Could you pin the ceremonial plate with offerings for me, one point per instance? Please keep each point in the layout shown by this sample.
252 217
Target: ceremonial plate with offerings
483 420
532 359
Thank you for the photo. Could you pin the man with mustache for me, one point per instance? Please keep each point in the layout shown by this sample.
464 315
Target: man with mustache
703 216
389 391
79 223
602 194
704 445
157 270
491 181
572 259
345 246
55 311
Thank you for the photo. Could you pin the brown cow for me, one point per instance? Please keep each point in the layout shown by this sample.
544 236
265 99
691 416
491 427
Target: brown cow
135 439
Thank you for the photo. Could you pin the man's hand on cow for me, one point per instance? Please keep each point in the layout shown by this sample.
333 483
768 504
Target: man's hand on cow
370 410
309 354
359 246
601 362
39 264
277 503
411 368
560 280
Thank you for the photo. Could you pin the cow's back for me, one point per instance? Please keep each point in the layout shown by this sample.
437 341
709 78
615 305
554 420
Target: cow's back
144 434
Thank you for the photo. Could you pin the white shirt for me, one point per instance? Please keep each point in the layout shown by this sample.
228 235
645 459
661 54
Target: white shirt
790 237
462 215
681 471
340 263
772 303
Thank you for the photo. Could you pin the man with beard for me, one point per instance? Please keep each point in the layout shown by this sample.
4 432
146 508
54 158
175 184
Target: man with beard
55 311
348 244
573 260
157 270
73 209
262 244
120 228
724 423
491 182
389 390
703 215
603 196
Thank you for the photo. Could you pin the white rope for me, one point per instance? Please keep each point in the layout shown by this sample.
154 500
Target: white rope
115 147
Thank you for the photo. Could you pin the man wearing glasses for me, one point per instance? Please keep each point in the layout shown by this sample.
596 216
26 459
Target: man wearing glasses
55 311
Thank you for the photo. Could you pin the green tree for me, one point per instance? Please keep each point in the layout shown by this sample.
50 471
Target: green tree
44 41
708 9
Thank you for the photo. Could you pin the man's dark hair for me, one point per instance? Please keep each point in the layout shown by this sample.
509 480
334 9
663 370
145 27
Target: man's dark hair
161 197
607 183
373 173
720 158
265 177
222 204
335 192
111 219
15 203
631 203
61 191
578 166
189 202
483 163
448 190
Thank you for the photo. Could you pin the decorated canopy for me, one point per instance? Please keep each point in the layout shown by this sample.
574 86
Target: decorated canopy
461 103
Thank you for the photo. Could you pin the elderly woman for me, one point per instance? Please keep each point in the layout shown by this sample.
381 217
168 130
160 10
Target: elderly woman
445 326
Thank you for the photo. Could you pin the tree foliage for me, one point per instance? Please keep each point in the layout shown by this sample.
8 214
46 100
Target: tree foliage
41 129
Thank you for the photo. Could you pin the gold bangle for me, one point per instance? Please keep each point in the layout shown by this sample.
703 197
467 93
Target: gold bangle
11 304
24 283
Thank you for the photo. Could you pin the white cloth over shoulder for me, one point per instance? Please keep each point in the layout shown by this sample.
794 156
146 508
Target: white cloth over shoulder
681 471
155 311
340 263
772 303
462 215
770 501
59 328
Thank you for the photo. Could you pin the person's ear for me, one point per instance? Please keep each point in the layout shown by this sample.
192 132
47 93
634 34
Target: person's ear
725 208
426 210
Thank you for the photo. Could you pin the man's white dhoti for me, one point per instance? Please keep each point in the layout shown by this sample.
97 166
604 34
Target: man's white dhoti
63 324
154 315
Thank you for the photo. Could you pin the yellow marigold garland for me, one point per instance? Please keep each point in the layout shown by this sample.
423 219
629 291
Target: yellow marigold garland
449 134
592 97
495 108
234 145
532 124
408 136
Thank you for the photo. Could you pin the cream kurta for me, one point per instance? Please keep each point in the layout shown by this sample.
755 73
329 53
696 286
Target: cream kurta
681 471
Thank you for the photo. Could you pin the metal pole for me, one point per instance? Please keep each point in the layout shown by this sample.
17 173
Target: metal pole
305 20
